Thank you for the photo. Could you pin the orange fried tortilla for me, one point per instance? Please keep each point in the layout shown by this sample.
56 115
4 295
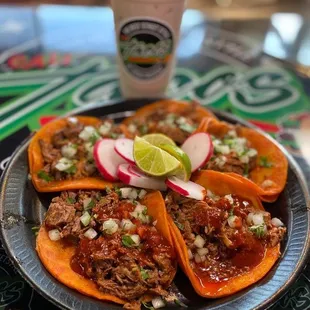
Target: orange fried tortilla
56 255
267 182
36 162
222 184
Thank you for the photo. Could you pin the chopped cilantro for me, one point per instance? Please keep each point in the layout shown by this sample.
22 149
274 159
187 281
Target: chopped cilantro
35 230
147 305
90 205
108 190
75 146
258 230
144 274
127 241
187 127
231 212
179 225
144 212
143 129
180 303
71 200
228 141
71 170
94 137
263 162
135 202
118 192
43 175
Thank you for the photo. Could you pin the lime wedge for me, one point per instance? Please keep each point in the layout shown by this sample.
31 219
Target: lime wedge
184 171
153 160
157 139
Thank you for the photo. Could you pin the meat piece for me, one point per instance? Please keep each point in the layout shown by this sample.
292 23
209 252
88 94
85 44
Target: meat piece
72 130
73 229
275 235
59 139
175 133
49 153
59 214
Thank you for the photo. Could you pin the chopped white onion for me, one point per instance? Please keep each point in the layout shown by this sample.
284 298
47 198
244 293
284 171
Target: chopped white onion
68 150
223 149
105 128
86 202
140 213
154 223
87 133
267 183
64 164
72 120
125 191
229 198
157 303
252 153
85 218
54 234
203 258
245 159
258 219
220 161
202 251
276 222
127 225
142 193
132 128
133 194
90 233
232 221
110 226
190 254
135 239
232 133
249 218
199 242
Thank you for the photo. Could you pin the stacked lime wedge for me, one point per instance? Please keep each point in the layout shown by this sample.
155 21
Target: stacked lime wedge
157 155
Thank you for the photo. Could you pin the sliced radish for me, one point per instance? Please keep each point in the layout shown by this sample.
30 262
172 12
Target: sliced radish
188 189
199 148
106 159
124 148
130 175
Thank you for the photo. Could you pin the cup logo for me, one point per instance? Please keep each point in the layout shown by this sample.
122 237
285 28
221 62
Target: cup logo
145 47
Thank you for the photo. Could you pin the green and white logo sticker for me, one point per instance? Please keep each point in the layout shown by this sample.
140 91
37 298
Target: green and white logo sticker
145 47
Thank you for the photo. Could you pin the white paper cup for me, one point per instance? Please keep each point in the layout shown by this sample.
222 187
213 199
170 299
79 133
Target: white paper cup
147 34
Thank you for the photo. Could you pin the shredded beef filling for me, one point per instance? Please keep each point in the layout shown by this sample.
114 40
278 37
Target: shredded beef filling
178 126
120 264
69 155
225 236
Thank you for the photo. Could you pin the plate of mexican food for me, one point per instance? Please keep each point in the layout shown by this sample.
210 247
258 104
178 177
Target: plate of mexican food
164 204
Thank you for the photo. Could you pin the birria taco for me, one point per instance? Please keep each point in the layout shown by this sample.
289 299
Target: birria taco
226 242
249 156
107 246
176 119
61 153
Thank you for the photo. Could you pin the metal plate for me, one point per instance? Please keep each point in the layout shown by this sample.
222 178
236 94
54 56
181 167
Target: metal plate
21 207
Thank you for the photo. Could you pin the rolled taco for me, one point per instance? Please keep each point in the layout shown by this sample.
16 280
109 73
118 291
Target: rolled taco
109 247
61 153
176 119
226 242
249 156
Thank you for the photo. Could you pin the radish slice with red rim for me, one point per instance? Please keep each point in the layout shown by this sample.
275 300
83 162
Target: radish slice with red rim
130 175
199 148
188 189
106 159
124 148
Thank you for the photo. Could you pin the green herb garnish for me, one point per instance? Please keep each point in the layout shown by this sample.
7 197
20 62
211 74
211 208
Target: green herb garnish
114 135
118 192
71 200
44 176
180 303
90 205
94 137
179 225
258 230
231 212
143 129
71 170
144 274
35 230
127 241
147 305
263 162
187 127
75 146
